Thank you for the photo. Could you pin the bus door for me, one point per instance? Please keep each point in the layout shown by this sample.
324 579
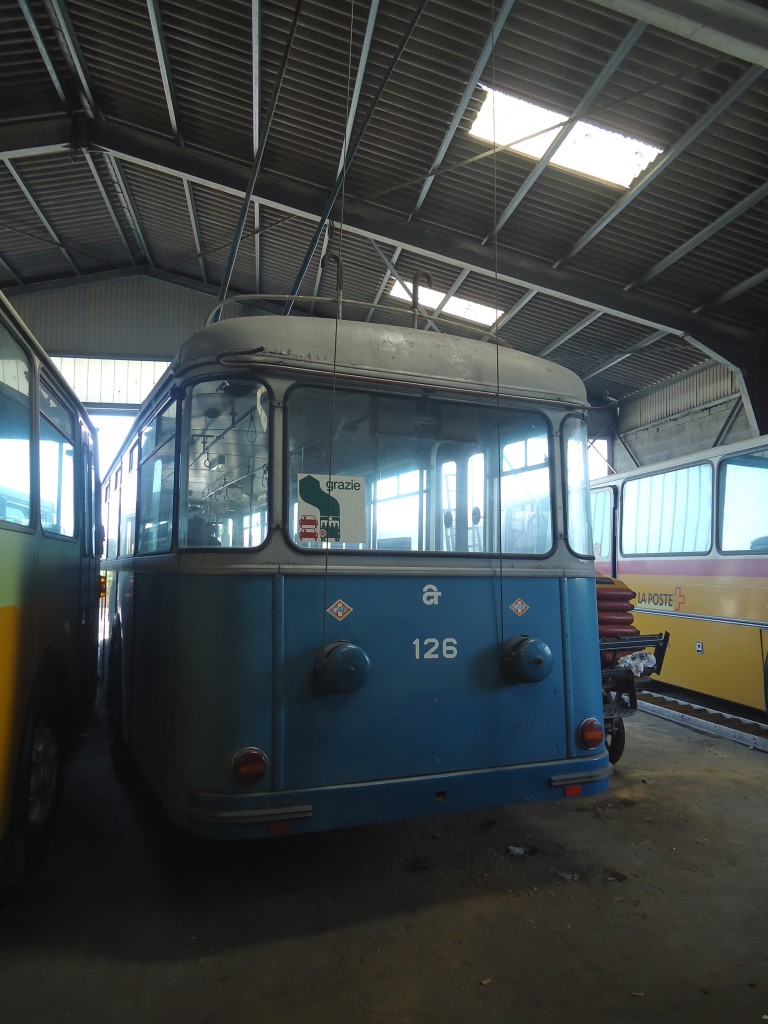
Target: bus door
605 529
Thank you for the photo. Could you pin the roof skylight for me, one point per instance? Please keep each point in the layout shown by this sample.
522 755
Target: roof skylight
587 149
429 298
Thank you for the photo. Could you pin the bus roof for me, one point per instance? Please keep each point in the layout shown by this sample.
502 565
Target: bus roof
379 350
706 454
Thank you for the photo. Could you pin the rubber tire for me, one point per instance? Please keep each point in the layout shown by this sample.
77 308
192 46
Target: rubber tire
44 772
117 746
615 738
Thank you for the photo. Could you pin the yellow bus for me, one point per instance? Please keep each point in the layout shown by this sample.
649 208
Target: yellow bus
690 537
50 541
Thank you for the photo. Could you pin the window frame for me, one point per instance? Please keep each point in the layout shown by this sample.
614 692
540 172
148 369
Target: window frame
699 553
721 474
44 382
373 387
33 489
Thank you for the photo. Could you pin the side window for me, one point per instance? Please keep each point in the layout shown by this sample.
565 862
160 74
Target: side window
743 502
89 493
15 432
57 465
130 469
578 520
112 512
224 465
669 513
156 474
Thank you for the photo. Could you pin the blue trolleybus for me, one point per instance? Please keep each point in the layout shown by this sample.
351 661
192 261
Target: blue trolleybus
350 579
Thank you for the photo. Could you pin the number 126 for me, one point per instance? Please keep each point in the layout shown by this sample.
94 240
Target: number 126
431 647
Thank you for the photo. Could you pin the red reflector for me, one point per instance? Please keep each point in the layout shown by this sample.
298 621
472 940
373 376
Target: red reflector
590 733
279 828
573 790
249 766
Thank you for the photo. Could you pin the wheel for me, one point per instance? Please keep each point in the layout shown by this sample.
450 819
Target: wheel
615 738
38 786
46 762
117 746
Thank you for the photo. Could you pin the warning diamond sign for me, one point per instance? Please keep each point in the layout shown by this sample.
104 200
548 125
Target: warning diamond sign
339 609
519 607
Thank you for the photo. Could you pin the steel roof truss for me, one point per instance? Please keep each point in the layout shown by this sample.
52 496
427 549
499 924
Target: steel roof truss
41 216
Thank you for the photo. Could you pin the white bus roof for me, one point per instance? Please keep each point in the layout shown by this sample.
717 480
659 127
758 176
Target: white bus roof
393 353
722 451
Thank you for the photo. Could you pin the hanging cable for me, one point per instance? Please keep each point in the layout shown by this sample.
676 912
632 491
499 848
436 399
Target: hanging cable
337 258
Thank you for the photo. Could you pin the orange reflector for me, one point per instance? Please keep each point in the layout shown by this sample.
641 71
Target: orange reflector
249 766
279 828
102 586
574 790
590 733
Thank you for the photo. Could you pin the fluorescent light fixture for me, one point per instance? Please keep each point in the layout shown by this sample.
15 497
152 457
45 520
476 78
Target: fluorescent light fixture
463 308
530 129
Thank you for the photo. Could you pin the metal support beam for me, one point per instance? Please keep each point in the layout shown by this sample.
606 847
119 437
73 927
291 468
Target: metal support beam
733 341
702 236
469 91
255 122
192 211
541 165
73 55
581 110
384 281
663 161
637 347
40 215
730 419
403 284
351 115
729 26
107 202
350 153
256 167
8 269
580 326
158 35
43 49
115 171
510 313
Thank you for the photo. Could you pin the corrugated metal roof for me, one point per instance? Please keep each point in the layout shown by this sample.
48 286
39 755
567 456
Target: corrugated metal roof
127 141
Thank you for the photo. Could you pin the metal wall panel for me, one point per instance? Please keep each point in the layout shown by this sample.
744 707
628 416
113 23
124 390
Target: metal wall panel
713 383
133 317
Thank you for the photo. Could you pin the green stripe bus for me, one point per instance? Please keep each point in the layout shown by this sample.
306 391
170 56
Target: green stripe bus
50 542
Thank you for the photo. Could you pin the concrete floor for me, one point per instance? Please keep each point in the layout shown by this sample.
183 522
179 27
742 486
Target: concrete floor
645 904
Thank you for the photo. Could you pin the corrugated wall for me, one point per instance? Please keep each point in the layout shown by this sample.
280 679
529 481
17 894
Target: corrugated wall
682 418
693 391
134 317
